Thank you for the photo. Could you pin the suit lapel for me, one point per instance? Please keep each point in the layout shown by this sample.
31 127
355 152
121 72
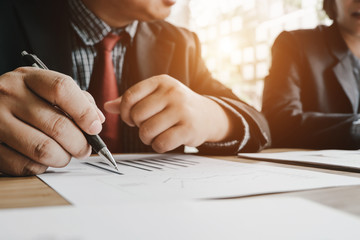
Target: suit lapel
346 78
343 69
153 52
47 28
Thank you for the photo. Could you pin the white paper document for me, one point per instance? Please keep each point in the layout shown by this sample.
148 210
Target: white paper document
250 219
348 160
164 178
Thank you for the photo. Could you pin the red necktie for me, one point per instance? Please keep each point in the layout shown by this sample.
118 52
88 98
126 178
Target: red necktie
103 87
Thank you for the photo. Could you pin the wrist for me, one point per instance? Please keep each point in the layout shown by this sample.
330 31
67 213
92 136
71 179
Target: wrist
221 126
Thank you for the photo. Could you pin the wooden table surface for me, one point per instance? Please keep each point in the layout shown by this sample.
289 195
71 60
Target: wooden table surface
21 192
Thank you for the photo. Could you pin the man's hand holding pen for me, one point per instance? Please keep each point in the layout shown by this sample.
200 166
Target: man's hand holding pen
33 134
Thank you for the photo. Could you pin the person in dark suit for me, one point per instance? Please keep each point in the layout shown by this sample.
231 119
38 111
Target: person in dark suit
311 95
167 97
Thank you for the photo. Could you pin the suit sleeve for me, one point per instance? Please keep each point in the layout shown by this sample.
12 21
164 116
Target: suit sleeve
255 133
282 105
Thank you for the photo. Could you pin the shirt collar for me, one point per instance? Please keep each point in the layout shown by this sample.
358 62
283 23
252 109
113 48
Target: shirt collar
354 60
90 28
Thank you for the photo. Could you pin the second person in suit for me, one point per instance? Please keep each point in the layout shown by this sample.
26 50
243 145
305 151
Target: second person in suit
312 93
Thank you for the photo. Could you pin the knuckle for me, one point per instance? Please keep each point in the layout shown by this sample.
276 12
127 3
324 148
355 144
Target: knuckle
189 127
85 113
173 93
82 152
163 77
42 150
60 86
31 168
21 70
64 161
182 110
160 146
145 134
128 97
9 82
59 125
5 90
136 117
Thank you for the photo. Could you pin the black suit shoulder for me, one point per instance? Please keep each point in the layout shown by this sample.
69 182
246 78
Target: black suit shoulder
306 33
304 41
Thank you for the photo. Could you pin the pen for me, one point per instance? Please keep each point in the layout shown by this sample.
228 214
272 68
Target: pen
95 141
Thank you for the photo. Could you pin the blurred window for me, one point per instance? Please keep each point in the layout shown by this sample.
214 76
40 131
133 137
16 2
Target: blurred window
237 35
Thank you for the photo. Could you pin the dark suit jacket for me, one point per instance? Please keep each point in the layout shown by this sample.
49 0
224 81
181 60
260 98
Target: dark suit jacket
42 27
309 95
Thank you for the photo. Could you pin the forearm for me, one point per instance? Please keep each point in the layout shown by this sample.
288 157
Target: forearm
314 129
249 131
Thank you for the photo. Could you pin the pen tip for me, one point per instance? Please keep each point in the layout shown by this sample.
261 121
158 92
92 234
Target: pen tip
23 53
105 153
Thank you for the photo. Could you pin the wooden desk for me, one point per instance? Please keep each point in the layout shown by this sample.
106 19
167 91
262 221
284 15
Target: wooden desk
32 192
27 192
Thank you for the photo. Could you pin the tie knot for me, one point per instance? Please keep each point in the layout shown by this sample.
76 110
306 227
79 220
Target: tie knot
108 43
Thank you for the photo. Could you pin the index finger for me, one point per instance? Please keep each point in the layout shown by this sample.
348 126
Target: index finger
134 94
62 91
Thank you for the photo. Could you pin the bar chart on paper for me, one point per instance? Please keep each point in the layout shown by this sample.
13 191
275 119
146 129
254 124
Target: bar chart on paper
168 177
147 164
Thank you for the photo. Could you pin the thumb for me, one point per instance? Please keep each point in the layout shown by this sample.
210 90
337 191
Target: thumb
113 106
